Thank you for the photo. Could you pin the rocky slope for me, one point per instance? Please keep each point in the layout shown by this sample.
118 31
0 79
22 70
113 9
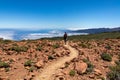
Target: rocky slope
27 58
24 60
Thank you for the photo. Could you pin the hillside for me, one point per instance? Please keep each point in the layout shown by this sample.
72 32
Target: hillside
98 58
97 30
105 35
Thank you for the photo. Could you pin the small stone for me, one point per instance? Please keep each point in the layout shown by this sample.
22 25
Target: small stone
2 69
13 59
97 72
60 78
27 68
39 64
98 79
92 76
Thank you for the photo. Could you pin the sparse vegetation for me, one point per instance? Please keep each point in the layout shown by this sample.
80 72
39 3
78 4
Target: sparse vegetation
4 65
7 69
14 44
28 63
106 57
11 60
85 60
83 45
114 74
118 37
39 48
66 65
90 66
5 41
101 78
99 36
50 57
108 47
117 62
56 46
72 73
118 56
32 68
18 48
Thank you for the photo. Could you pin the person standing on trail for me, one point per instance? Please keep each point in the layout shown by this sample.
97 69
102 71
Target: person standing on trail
65 37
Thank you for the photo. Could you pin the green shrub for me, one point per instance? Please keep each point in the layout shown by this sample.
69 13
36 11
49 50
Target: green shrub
5 41
18 48
11 60
90 66
66 65
28 63
56 46
114 74
118 56
39 48
4 65
50 57
117 62
72 73
118 37
108 47
83 45
85 60
7 69
32 69
89 70
14 44
106 57
101 78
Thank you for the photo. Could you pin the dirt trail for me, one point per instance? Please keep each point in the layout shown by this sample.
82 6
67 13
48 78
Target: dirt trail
49 71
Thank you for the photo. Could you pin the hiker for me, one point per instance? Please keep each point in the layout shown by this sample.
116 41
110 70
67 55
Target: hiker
65 38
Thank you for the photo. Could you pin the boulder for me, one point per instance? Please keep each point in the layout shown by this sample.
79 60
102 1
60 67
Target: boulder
80 67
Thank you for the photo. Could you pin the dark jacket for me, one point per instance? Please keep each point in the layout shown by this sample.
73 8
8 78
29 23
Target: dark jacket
65 36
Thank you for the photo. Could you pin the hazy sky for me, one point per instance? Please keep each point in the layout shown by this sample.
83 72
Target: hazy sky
35 14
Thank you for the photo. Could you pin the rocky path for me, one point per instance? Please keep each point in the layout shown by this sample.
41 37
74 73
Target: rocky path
48 72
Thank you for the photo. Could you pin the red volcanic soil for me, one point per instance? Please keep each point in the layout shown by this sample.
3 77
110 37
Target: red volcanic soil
24 60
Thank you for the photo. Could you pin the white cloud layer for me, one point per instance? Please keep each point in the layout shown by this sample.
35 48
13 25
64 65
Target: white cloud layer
74 29
7 35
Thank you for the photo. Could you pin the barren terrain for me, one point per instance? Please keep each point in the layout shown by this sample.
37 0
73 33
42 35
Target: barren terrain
52 60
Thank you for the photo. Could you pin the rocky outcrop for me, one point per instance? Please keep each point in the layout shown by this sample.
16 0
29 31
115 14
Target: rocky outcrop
80 67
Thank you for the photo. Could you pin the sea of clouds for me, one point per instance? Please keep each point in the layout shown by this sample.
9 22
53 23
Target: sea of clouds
7 35
25 35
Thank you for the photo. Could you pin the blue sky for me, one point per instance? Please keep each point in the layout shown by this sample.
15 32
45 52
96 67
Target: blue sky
41 14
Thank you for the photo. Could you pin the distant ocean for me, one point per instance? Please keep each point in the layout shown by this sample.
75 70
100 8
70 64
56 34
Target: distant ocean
16 34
